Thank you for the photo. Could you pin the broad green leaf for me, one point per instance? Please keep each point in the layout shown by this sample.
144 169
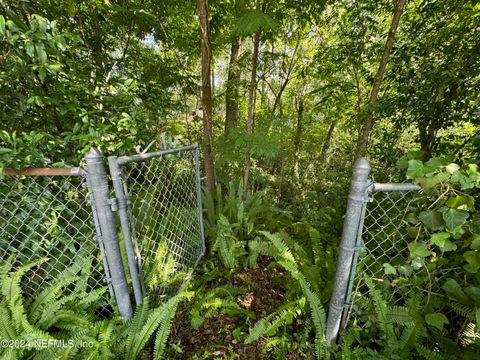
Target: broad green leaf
405 270
54 67
418 250
475 245
449 246
402 163
415 169
451 168
389 269
429 182
453 289
418 263
473 258
441 240
437 320
2 25
474 294
30 49
434 165
432 219
42 73
454 218
461 201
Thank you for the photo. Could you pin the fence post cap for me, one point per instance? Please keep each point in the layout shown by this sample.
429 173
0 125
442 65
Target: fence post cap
93 153
362 163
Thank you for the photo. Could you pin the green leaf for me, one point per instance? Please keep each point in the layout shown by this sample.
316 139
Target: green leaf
454 218
473 258
418 263
415 169
451 168
429 182
54 67
475 245
437 320
449 246
453 289
389 269
418 250
474 294
434 165
461 201
432 219
441 240
42 73
2 25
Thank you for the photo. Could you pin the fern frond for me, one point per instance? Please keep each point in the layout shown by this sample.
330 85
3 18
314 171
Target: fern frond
269 325
317 312
399 315
163 331
134 327
461 309
428 354
156 317
47 296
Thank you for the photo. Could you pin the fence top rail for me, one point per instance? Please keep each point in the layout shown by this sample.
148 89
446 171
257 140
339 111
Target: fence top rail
123 160
379 187
75 171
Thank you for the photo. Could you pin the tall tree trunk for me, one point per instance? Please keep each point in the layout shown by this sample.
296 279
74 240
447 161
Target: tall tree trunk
251 103
206 94
298 138
367 126
231 91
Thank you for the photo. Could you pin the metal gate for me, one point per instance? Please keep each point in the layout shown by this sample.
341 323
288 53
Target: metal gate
160 211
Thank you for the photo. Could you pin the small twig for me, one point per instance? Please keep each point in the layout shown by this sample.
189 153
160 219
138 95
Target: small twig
440 197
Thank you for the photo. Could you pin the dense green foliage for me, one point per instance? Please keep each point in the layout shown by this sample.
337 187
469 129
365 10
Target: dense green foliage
115 74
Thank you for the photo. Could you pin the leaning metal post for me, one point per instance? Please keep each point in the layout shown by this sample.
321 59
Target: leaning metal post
116 174
99 189
198 183
351 227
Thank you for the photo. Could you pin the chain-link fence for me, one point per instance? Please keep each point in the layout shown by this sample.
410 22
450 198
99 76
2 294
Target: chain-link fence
382 240
375 240
48 219
65 219
161 191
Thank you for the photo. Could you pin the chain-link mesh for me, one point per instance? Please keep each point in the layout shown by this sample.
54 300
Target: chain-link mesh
164 212
390 225
49 218
385 238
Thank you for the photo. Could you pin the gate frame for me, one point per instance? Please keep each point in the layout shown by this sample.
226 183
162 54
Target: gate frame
116 163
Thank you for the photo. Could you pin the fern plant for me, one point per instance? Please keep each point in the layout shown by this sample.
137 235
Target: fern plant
285 258
55 315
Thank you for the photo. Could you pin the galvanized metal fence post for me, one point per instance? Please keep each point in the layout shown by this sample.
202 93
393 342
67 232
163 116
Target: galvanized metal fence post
352 225
135 272
99 189
198 188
